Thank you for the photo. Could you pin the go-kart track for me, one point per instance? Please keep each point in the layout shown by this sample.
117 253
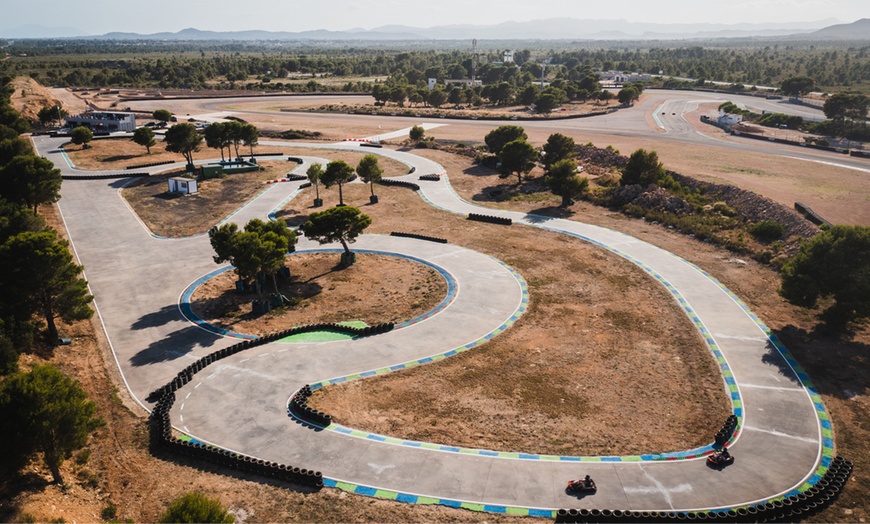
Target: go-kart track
783 441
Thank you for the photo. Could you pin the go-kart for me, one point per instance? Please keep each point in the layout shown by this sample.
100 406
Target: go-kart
580 486
720 459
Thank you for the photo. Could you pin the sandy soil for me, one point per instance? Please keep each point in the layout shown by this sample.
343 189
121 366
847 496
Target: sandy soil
321 291
122 473
540 386
29 96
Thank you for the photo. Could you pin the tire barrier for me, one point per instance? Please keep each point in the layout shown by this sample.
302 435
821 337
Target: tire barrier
491 219
268 154
160 425
399 183
294 176
793 508
727 431
295 159
418 237
103 177
434 177
811 215
305 185
861 154
300 409
366 144
151 164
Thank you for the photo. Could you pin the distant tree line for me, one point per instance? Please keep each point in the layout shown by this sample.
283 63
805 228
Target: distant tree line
240 65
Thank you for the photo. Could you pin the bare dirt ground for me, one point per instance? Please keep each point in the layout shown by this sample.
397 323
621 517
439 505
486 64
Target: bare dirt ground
540 387
838 365
29 96
119 471
177 216
321 291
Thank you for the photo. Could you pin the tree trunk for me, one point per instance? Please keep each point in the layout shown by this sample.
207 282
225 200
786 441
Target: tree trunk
566 201
340 199
344 245
54 467
52 328
317 191
372 185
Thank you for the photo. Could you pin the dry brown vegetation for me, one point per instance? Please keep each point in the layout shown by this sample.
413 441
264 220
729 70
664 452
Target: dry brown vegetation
320 290
173 215
121 472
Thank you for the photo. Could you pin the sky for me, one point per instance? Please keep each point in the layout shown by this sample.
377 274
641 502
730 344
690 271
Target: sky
95 17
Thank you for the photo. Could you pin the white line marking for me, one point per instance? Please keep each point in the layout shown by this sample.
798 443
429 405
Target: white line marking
781 434
832 164
197 385
775 388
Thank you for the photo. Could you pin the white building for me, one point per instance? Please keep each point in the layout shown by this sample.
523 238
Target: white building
185 186
729 119
508 57
103 121
621 77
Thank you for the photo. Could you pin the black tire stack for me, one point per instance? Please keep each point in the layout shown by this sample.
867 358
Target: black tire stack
490 219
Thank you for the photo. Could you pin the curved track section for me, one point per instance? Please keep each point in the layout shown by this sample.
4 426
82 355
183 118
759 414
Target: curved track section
784 432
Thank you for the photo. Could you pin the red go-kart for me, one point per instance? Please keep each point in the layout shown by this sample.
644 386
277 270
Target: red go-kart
581 486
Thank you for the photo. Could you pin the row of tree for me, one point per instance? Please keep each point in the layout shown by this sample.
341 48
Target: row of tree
517 157
80 63
42 410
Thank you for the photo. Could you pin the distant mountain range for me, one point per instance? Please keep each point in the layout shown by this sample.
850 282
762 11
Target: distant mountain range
549 29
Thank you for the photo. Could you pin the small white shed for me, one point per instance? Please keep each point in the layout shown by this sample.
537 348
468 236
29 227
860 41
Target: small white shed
185 186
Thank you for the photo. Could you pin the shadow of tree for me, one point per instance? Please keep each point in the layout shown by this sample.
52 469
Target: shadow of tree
13 489
836 365
174 346
545 214
163 316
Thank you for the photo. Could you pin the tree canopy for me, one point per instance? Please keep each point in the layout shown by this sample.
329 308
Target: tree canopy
558 147
162 115
337 172
314 172
369 171
497 138
31 181
144 136
835 264
259 249
38 273
517 157
193 508
797 85
81 136
643 167
417 133
49 114
563 181
183 138
339 224
43 411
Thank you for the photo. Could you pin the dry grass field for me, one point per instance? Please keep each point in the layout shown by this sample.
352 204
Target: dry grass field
592 316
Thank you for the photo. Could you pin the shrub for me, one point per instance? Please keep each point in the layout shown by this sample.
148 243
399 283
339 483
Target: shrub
109 512
767 231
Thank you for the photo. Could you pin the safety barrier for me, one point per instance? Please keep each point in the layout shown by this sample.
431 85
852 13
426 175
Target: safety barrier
399 183
294 176
434 177
161 438
419 237
103 177
792 508
151 164
300 409
727 431
811 215
491 219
